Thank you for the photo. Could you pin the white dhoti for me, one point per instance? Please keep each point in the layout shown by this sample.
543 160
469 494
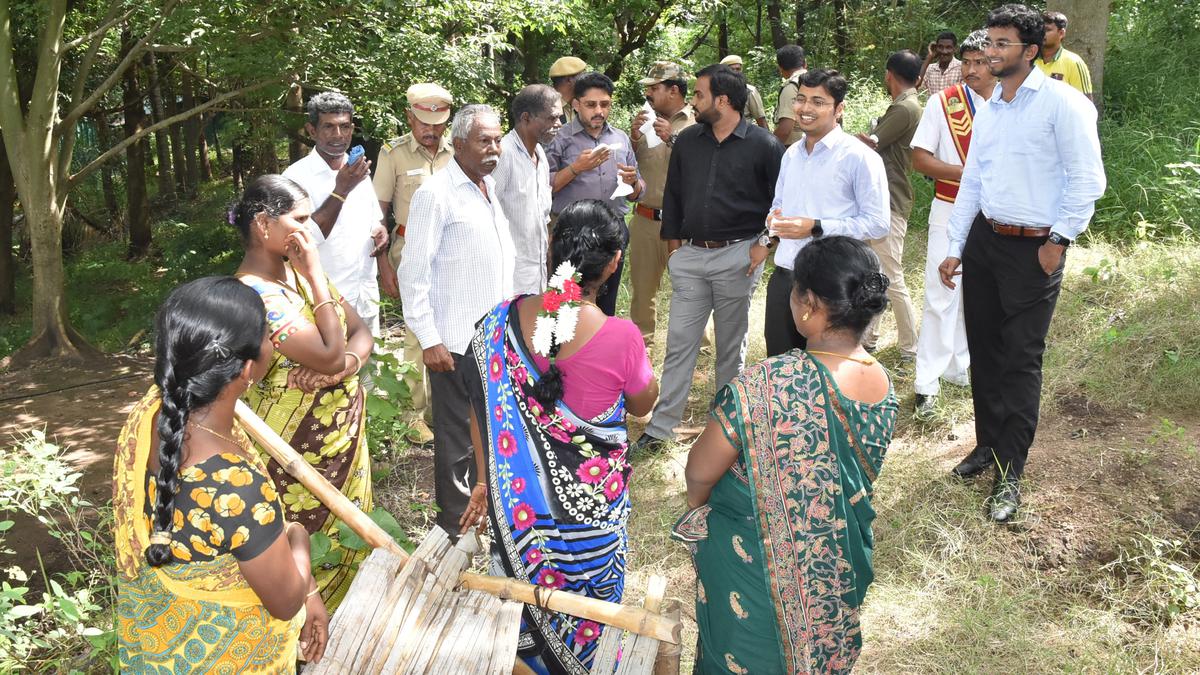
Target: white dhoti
942 343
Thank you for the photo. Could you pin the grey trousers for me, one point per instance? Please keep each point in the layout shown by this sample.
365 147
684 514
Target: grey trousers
703 282
452 452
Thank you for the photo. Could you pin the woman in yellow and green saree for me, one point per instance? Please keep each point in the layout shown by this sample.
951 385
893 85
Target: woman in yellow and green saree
310 394
780 482
210 578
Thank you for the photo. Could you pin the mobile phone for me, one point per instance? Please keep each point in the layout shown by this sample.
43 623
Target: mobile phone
356 153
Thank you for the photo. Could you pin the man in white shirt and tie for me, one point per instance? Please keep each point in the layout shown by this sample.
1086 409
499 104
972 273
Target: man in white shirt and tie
1028 190
939 149
457 265
346 216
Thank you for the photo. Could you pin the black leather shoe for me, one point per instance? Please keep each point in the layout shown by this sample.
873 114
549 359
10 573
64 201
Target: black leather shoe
1005 499
980 459
647 445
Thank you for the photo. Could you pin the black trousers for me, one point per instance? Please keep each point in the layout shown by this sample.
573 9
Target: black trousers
453 457
779 329
1008 302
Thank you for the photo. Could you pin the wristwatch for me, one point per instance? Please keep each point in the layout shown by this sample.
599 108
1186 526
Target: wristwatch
817 230
764 239
1056 238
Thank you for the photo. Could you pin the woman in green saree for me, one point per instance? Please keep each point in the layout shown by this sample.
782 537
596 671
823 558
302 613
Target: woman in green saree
779 484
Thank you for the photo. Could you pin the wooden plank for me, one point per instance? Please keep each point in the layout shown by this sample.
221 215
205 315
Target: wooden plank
667 661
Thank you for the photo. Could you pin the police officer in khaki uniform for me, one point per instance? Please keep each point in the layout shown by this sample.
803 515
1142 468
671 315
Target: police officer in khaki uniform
791 63
562 77
755 112
403 165
666 91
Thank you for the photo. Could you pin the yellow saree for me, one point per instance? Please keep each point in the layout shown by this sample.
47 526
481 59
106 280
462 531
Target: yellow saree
183 618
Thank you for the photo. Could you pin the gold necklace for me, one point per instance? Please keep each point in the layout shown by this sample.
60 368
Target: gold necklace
868 361
216 433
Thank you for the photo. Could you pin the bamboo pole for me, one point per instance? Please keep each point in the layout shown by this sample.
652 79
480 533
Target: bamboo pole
630 618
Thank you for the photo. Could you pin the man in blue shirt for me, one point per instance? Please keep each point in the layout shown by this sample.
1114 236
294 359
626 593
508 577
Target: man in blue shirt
589 159
1028 190
828 183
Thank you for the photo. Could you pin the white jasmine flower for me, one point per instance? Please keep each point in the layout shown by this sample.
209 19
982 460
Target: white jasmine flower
543 335
564 327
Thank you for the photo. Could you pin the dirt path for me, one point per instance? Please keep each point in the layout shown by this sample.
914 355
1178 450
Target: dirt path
82 409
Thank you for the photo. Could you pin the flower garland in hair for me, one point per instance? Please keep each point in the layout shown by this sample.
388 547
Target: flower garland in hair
560 311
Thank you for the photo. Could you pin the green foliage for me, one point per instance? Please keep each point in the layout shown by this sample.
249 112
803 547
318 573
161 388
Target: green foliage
1150 133
1164 576
388 399
68 624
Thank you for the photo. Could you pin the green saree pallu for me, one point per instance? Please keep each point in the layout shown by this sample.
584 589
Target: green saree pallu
326 427
783 547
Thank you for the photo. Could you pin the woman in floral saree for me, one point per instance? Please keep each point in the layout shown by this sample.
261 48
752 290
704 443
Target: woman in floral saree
210 579
552 382
780 483
310 394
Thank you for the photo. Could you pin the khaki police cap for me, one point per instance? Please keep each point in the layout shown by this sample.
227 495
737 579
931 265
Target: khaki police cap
662 70
429 102
567 66
732 59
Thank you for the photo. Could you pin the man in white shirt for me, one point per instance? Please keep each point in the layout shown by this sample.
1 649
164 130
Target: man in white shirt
939 148
829 183
346 216
457 265
1028 190
523 181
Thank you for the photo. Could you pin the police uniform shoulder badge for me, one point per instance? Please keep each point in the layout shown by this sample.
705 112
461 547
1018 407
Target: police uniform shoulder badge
955 104
388 146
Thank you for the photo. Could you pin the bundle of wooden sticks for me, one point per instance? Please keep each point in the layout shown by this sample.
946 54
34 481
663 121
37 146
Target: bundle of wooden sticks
424 613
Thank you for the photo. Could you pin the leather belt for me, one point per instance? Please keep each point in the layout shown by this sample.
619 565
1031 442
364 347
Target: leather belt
716 244
1017 230
647 212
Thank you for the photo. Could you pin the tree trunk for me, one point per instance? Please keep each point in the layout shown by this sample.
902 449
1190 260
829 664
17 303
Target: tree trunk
801 15
775 18
841 33
757 23
162 146
8 272
202 148
191 135
722 39
294 103
1087 35
175 131
531 49
104 139
137 204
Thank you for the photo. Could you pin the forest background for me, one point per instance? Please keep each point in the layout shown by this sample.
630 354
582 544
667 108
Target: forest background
127 127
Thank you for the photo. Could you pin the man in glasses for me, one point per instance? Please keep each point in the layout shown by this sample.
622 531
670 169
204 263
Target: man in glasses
1028 190
939 149
829 183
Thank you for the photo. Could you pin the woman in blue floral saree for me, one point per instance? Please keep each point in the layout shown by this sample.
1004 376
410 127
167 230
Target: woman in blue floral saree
549 401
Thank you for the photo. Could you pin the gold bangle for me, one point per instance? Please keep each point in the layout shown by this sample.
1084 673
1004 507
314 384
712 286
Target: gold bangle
571 168
322 304
357 360
338 197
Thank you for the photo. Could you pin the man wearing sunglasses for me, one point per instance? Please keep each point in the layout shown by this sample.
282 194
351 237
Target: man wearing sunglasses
1028 190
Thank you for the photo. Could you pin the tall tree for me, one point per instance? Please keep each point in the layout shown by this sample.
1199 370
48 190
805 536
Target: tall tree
8 276
137 202
162 145
775 19
40 131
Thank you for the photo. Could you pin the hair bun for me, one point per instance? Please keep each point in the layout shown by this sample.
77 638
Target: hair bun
871 294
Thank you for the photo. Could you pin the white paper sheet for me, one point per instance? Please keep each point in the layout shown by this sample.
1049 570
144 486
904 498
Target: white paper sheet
623 189
647 129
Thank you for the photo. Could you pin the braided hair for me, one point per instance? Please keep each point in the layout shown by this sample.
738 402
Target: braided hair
272 194
844 274
207 330
588 234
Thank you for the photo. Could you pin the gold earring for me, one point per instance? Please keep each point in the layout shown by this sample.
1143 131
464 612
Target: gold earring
266 234
806 315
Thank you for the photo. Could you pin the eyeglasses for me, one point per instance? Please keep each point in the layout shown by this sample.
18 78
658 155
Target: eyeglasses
1002 44
801 101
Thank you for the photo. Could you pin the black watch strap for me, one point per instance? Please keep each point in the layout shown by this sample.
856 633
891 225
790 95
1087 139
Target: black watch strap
817 230
1056 238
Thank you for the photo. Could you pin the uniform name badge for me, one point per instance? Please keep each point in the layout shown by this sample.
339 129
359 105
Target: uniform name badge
414 172
955 105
